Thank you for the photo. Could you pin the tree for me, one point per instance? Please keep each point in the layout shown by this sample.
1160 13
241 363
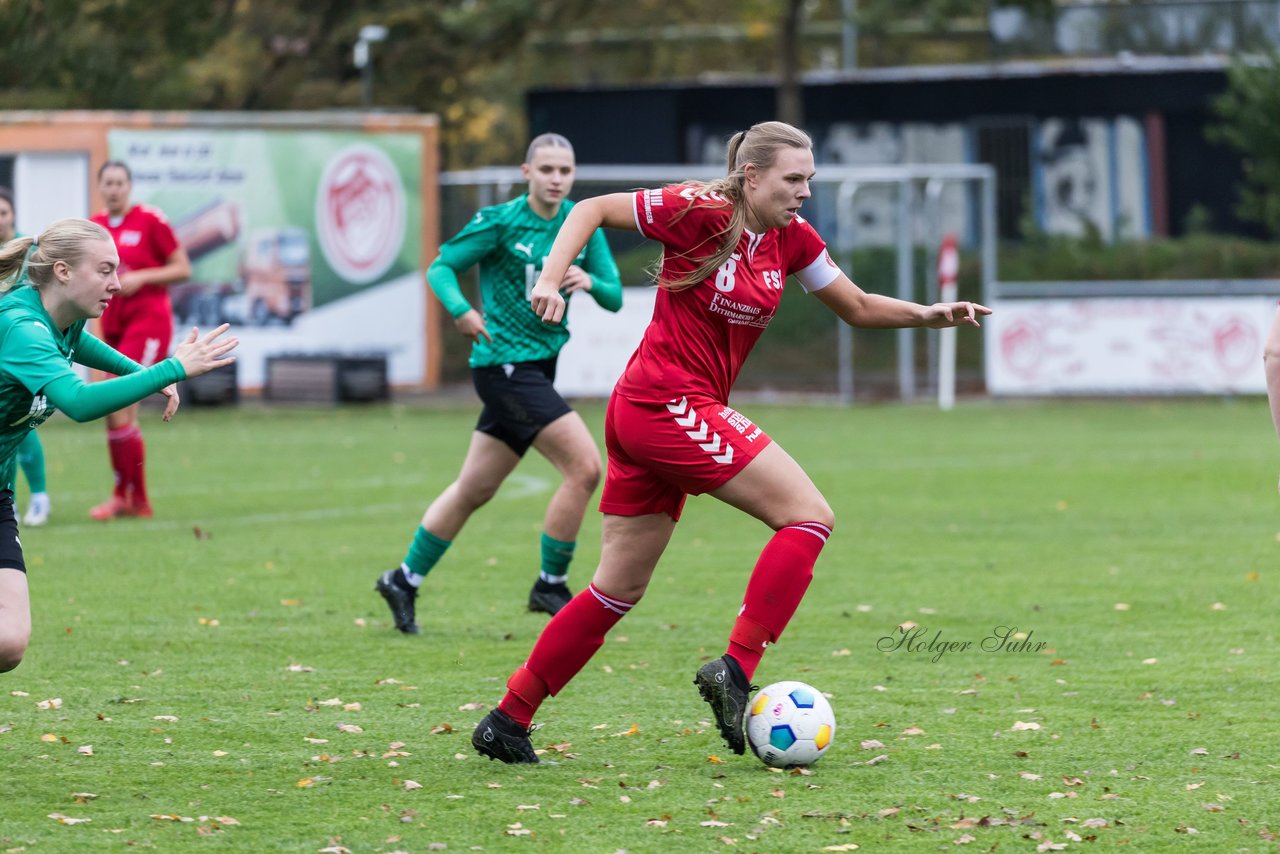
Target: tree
1250 123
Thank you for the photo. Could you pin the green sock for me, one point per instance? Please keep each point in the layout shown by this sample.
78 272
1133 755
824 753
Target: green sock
555 559
31 458
424 552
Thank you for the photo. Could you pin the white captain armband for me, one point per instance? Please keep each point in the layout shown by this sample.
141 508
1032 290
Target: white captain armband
819 274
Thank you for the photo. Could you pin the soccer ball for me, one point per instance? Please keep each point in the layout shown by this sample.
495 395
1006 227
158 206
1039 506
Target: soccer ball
790 724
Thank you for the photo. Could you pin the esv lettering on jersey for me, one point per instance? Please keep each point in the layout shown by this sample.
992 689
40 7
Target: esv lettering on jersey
130 237
773 279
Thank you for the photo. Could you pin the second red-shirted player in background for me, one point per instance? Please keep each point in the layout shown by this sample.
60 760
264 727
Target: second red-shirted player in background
138 322
728 248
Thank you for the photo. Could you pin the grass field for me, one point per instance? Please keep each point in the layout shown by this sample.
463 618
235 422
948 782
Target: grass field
228 679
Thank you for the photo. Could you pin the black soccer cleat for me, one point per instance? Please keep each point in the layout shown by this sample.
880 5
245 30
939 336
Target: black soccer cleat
724 687
549 598
499 737
400 599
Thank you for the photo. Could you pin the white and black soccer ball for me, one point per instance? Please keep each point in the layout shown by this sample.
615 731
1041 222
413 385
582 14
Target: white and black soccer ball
791 724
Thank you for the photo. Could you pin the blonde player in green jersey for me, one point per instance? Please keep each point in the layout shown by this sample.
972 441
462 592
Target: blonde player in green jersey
513 367
54 283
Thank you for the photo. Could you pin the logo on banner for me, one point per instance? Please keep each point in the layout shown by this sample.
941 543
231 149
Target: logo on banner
360 213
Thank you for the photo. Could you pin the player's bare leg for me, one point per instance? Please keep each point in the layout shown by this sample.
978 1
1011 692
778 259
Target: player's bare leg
774 489
630 548
569 446
488 463
15 618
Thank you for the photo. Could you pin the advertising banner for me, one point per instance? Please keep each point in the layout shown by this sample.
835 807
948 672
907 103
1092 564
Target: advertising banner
306 241
1183 345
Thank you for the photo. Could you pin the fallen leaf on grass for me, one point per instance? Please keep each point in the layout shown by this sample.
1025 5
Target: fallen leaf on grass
85 750
1214 807
50 705
309 740
1094 823
715 760
1026 775
848 846
655 822
876 760
170 718
913 730
871 744
964 840
441 729
518 830
1191 787
353 728
714 823
633 730
66 819
410 785
472 707
300 668
83 797
888 812
1024 726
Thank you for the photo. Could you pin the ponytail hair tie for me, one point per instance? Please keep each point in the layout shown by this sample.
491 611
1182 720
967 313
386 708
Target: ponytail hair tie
31 250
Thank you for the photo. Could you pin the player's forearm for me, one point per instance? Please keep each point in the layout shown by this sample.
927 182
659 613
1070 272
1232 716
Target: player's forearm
170 273
876 311
574 233
83 402
94 353
444 283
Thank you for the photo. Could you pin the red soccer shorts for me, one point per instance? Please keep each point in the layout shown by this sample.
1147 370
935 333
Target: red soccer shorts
661 453
141 329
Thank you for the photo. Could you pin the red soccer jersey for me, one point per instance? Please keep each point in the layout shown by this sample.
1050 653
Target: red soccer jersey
144 240
699 337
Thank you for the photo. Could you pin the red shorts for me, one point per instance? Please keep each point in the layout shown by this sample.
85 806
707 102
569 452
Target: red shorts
141 330
661 453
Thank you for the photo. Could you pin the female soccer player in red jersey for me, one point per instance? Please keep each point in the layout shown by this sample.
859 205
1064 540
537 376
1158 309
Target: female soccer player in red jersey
728 248
52 284
138 323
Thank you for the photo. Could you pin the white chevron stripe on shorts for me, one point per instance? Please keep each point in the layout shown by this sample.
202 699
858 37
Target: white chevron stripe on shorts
686 417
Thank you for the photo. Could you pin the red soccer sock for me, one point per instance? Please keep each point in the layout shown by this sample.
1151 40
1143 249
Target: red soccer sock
121 445
138 487
564 647
778 582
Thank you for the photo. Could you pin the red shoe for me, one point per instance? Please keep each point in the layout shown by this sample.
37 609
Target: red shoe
116 507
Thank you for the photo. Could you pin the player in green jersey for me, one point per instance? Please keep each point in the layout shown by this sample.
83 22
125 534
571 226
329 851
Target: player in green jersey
30 452
54 283
513 365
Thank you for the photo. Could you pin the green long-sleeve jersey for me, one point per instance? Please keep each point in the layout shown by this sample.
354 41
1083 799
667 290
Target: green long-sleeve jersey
36 377
509 242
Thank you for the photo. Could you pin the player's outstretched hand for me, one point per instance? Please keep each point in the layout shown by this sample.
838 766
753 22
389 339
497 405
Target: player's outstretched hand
943 315
171 402
200 354
546 301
